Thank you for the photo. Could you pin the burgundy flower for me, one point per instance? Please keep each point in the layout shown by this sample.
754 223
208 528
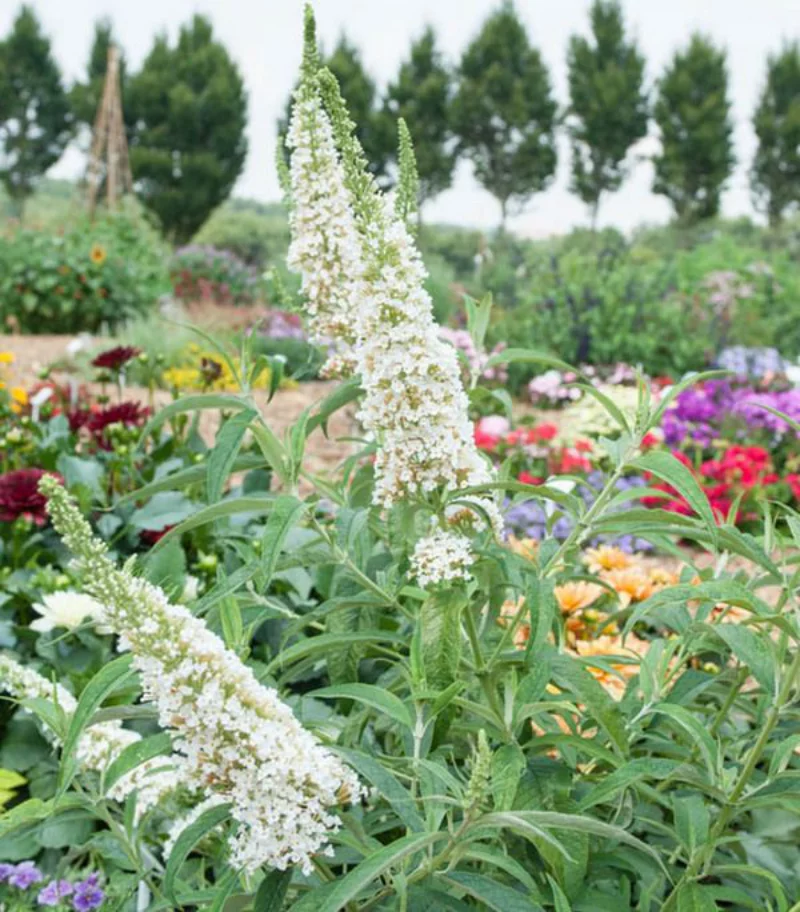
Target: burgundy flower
19 496
151 536
129 414
116 358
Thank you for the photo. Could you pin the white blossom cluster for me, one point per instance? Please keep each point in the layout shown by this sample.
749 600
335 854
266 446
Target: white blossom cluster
440 557
100 744
237 739
324 248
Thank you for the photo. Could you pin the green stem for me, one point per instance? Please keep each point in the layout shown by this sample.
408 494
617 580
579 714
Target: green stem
481 669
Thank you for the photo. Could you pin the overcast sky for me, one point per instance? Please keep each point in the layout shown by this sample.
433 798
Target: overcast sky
264 37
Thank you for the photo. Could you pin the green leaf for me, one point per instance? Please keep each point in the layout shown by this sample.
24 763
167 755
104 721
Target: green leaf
440 620
252 504
225 587
135 755
698 735
527 356
284 514
392 790
108 679
343 395
633 772
378 863
188 839
692 821
272 891
524 822
755 650
189 476
569 674
226 449
324 642
608 404
490 893
371 695
165 509
666 467
190 404
508 762
695 898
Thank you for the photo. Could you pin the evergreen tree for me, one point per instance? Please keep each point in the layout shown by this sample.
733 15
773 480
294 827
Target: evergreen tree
85 96
188 146
421 95
608 104
359 91
693 113
504 112
775 175
34 112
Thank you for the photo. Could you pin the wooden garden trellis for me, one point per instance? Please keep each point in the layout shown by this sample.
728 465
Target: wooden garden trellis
109 151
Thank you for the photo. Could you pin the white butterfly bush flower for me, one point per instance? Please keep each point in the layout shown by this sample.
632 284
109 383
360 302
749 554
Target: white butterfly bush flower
100 744
414 404
324 247
238 740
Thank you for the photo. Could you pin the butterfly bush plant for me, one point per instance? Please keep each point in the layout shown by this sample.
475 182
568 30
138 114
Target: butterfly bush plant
389 703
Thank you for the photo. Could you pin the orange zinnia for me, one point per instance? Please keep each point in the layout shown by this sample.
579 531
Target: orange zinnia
631 584
577 595
607 557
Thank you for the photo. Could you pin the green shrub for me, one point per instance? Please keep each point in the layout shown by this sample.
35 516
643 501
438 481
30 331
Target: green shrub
257 235
91 276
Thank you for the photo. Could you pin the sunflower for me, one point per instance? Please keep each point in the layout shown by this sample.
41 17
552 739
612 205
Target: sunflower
98 254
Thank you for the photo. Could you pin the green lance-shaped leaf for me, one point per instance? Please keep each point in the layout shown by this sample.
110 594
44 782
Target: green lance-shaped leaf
272 891
102 684
135 755
440 618
370 695
188 839
226 449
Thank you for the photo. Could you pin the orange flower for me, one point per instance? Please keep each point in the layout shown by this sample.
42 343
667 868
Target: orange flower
576 595
19 399
631 584
660 577
525 547
614 681
508 612
607 557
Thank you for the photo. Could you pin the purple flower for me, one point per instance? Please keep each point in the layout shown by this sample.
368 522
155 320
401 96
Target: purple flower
88 895
54 892
6 870
25 875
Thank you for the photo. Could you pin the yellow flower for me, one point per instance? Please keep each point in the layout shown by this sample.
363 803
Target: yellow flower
6 357
98 254
575 596
607 557
19 398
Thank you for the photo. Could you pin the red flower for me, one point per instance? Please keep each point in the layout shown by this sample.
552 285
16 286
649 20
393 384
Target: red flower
546 431
116 358
528 478
571 461
129 414
583 446
793 481
484 441
19 496
650 440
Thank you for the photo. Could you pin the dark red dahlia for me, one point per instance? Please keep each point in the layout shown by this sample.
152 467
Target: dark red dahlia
116 358
19 496
128 414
